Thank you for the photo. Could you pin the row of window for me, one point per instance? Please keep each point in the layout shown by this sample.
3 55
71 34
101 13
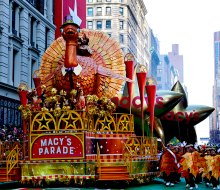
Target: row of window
15 54
99 26
108 24
15 66
108 11
33 26
100 1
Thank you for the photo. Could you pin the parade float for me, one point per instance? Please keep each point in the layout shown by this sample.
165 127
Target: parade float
72 132
94 115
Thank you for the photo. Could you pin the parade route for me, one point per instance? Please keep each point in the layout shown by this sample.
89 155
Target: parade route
154 185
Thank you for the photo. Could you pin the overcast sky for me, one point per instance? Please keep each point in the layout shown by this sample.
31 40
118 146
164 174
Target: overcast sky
191 24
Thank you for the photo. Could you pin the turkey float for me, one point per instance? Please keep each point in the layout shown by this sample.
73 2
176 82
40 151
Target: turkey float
72 130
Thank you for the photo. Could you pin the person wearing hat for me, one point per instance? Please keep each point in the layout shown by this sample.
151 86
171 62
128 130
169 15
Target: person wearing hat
168 166
213 168
186 163
178 153
206 172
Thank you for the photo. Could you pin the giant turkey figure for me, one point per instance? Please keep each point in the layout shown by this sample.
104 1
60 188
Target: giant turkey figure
99 69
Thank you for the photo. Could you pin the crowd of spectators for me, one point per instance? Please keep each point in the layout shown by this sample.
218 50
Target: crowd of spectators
11 133
9 136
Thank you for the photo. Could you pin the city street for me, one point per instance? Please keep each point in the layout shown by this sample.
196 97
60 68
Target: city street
154 185
109 94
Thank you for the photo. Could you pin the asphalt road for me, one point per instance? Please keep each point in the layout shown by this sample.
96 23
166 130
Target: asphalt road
157 184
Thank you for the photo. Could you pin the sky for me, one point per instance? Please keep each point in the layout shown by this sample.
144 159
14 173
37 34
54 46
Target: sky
191 24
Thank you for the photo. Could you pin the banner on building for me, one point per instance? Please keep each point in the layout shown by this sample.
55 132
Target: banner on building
63 8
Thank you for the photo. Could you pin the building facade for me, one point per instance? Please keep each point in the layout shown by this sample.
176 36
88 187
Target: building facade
177 61
165 68
215 119
26 30
164 73
170 69
123 20
154 54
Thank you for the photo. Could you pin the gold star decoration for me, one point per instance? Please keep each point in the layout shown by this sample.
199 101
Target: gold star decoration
45 121
106 123
72 121
124 123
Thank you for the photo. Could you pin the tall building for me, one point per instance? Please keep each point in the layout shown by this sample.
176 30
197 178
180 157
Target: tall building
26 30
123 20
155 54
165 68
169 69
215 120
177 61
164 73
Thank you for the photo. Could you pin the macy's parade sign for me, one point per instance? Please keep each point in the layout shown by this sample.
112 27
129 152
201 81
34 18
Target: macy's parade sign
59 146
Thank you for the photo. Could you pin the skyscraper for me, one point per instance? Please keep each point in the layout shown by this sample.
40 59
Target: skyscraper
163 73
155 54
215 119
177 61
170 69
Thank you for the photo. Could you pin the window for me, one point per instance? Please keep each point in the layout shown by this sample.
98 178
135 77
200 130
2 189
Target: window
89 25
99 11
33 2
89 1
108 11
9 113
121 25
99 25
108 0
38 4
159 71
47 33
16 68
121 11
33 68
99 1
121 38
158 78
15 55
33 29
13 21
108 24
89 11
